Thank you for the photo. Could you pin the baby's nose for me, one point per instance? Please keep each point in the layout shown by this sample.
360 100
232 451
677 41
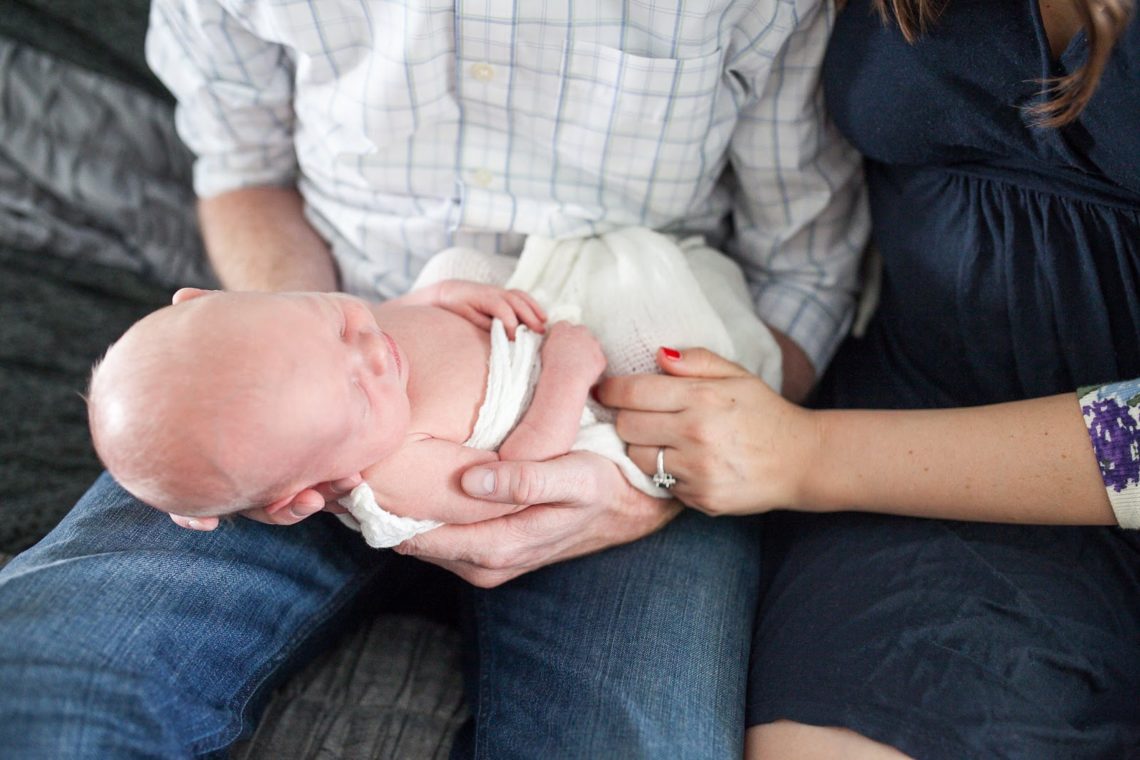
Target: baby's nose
374 349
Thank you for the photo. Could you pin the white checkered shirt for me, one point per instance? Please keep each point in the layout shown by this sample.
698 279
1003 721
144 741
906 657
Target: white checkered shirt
414 125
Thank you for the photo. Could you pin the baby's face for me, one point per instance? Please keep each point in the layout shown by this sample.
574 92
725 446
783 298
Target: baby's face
248 398
341 401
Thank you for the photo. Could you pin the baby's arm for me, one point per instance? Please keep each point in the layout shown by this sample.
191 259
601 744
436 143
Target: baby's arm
421 481
572 361
478 303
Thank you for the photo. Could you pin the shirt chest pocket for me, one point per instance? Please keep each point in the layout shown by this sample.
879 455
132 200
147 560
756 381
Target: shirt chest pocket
638 124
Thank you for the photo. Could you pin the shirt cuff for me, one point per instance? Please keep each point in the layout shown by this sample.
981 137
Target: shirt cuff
217 175
815 325
1112 416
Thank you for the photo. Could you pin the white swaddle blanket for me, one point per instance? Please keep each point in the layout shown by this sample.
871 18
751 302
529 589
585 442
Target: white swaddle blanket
636 290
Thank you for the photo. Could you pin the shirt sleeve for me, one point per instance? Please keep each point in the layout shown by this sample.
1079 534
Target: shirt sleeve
234 92
1112 415
800 216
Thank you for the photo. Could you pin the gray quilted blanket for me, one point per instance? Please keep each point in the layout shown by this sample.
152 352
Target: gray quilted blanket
96 229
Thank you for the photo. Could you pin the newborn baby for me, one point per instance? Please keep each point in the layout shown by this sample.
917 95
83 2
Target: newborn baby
227 401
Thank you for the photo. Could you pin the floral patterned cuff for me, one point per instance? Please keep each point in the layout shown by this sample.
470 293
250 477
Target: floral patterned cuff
1112 415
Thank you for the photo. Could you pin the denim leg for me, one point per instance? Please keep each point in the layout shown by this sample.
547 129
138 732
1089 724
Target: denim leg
122 635
640 651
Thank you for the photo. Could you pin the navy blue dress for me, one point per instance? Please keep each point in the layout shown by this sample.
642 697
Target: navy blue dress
1011 270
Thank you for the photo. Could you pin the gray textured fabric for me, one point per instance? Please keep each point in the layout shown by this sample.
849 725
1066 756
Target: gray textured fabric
101 35
96 227
392 690
56 318
92 169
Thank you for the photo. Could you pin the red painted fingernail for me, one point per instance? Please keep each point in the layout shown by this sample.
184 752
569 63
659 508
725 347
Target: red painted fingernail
671 353
594 393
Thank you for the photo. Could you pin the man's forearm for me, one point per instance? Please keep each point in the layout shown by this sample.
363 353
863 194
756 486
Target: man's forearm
799 374
258 239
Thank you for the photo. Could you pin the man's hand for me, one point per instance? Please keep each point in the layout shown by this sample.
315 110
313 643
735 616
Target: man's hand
580 504
479 303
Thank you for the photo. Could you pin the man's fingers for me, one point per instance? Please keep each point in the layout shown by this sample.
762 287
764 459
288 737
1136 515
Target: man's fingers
647 393
492 552
571 478
698 362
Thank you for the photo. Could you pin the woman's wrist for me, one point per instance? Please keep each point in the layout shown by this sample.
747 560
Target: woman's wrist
816 489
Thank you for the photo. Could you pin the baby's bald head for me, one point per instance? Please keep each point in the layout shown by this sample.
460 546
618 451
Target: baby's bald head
175 407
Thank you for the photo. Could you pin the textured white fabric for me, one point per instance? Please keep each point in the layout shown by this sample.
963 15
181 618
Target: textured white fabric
381 529
638 290
414 125
512 374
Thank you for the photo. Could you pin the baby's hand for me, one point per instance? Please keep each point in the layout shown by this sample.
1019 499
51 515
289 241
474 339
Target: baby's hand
480 303
321 498
574 347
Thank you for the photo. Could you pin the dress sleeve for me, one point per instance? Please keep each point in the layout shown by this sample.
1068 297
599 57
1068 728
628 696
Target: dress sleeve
1112 415
234 92
800 215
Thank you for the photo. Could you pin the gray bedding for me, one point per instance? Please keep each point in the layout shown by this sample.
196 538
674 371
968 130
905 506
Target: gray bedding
97 229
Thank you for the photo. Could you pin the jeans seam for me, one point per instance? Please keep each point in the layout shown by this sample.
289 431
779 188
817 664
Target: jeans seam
482 713
239 703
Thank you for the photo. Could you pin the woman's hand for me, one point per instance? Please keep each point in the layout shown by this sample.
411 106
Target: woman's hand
734 445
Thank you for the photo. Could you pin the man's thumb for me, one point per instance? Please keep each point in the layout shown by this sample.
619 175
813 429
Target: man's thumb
697 362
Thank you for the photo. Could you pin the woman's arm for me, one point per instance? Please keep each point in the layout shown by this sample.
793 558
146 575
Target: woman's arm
737 447
1020 462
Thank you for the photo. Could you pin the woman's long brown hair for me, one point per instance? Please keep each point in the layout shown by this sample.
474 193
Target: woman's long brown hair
1103 21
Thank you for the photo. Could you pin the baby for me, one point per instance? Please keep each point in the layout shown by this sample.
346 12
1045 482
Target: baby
227 401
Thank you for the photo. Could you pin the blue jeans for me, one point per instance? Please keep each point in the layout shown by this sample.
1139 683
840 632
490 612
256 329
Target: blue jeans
122 635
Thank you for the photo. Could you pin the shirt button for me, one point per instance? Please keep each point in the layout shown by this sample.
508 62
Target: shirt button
482 177
482 72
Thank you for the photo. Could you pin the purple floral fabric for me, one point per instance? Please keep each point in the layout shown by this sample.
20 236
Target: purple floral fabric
1112 415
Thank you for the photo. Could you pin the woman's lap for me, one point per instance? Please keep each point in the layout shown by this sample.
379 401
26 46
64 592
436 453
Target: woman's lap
952 639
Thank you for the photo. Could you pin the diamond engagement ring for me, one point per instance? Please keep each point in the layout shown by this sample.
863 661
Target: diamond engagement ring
662 479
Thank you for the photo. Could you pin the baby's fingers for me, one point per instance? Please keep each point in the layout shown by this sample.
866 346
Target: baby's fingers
505 313
527 309
477 318
195 523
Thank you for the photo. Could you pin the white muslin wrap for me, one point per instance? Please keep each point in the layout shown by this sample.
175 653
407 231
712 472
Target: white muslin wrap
636 290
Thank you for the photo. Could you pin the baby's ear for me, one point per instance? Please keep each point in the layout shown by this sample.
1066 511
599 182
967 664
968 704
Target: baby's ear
183 295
